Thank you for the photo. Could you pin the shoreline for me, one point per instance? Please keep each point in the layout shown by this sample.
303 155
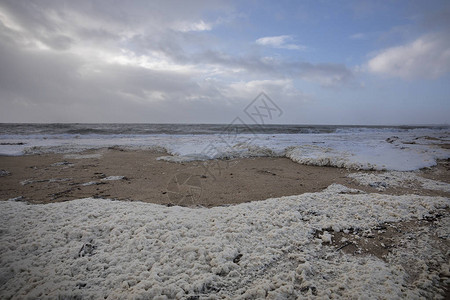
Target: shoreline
137 175
393 224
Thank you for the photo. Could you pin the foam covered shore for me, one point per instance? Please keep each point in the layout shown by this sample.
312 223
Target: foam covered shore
356 148
278 248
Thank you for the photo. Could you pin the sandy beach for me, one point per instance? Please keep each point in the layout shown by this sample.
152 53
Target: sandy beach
329 221
138 175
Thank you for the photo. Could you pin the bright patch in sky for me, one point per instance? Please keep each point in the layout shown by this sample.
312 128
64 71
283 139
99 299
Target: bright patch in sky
282 42
426 57
351 62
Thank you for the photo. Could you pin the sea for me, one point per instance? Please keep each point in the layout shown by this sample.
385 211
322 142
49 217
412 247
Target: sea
401 148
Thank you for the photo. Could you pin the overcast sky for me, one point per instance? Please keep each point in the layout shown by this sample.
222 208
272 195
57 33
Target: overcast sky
322 62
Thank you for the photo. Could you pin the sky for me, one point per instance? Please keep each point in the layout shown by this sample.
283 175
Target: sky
321 62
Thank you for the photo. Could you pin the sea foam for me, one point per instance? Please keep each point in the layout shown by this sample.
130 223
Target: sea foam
96 248
354 148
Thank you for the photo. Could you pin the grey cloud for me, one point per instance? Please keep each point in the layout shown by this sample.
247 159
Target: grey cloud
62 84
59 42
49 87
99 21
147 34
60 74
44 87
326 74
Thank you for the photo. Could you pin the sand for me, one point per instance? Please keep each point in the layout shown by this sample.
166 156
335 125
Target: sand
58 177
140 176
375 221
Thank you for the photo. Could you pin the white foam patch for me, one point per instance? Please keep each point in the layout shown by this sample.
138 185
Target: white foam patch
90 183
321 156
96 248
112 178
372 155
30 181
382 181
4 173
239 150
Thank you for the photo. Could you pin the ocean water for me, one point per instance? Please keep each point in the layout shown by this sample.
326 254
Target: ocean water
400 148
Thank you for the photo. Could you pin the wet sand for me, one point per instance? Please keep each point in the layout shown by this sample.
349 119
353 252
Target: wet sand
61 177
58 177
